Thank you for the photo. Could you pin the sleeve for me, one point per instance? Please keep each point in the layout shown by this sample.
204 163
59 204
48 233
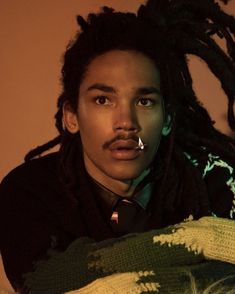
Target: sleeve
25 228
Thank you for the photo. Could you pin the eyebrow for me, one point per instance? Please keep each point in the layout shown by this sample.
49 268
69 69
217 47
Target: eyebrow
109 89
148 90
102 87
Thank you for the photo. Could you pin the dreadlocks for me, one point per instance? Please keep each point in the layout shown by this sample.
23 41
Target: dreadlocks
175 28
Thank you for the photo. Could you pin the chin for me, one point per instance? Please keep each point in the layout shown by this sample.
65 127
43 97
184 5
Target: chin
125 174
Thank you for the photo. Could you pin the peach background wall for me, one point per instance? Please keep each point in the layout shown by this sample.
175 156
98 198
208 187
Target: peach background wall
33 36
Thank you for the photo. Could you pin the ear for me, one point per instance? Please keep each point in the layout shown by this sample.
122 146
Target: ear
167 126
70 118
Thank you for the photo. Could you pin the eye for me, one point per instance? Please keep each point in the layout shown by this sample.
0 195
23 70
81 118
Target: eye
147 102
102 100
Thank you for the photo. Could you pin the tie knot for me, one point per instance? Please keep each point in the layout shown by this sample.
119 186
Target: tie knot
123 216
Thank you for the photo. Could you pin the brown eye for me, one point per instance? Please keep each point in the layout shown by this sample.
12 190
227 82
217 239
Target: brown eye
102 100
147 102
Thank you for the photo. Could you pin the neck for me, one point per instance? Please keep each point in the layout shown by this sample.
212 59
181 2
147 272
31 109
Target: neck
124 188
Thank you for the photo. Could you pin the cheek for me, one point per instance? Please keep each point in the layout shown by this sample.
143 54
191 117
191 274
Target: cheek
152 124
89 114
94 130
152 133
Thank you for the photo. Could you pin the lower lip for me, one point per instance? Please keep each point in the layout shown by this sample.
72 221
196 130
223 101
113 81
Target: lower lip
125 154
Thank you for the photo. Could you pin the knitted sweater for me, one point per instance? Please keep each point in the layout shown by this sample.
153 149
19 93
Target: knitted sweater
184 258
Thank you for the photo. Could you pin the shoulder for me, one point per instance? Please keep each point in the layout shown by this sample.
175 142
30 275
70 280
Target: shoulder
33 172
33 169
218 174
36 181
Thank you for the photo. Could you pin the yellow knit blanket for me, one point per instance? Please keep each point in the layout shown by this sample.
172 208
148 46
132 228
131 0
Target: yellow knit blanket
185 258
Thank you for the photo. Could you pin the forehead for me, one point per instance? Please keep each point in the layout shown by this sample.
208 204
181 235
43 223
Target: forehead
122 68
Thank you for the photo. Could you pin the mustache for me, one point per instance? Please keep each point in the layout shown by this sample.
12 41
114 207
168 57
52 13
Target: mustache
107 144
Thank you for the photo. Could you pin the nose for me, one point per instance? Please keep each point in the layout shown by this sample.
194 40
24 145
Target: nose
126 119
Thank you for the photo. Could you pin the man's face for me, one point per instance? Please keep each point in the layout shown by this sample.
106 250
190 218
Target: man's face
119 101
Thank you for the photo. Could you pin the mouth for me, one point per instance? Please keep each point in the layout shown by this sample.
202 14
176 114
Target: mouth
125 149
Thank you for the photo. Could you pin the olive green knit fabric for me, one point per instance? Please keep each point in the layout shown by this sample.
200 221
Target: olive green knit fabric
171 260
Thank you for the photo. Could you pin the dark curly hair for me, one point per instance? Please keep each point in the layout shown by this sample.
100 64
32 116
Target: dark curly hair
166 31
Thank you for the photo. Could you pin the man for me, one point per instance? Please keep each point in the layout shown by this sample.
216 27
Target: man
138 151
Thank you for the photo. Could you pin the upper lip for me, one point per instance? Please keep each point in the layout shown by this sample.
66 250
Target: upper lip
123 144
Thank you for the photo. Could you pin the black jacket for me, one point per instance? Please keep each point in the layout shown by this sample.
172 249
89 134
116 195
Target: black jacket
37 216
